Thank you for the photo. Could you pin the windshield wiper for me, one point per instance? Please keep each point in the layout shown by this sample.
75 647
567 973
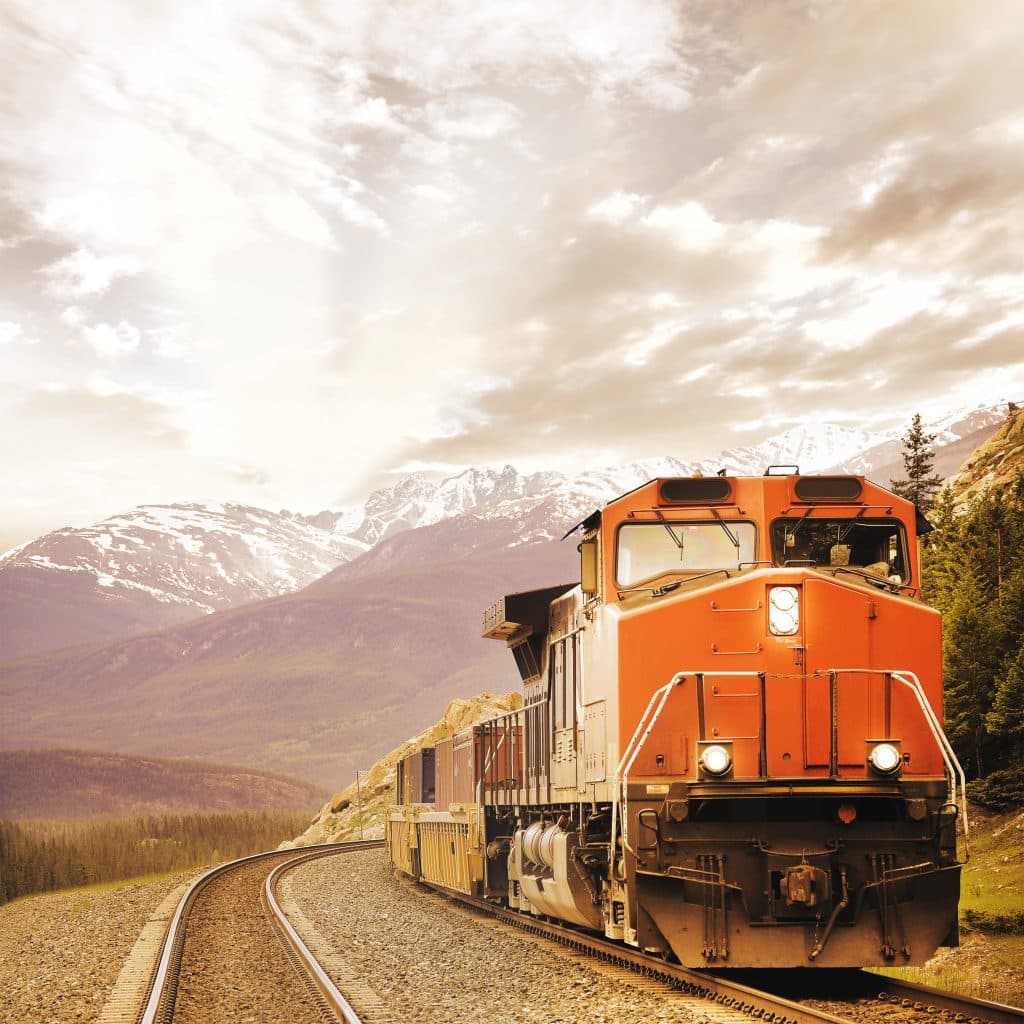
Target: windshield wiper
725 526
666 588
676 538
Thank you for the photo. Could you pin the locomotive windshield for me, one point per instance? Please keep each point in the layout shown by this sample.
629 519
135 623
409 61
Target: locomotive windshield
647 550
875 547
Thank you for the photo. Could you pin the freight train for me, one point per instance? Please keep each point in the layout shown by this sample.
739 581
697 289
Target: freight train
730 751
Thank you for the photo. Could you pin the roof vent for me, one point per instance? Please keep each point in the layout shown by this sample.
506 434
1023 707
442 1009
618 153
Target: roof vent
694 490
828 488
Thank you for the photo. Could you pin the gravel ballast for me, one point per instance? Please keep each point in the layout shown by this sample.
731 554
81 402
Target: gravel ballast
60 953
425 961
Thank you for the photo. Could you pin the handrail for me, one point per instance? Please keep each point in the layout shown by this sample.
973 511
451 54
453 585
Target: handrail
952 764
487 765
620 783
911 680
663 692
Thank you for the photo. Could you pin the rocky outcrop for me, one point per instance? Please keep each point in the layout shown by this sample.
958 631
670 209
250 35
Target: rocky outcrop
357 812
994 465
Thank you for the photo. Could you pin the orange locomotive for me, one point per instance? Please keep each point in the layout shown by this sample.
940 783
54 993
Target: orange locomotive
730 751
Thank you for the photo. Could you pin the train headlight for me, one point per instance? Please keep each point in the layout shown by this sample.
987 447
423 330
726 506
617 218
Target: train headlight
885 759
715 760
783 610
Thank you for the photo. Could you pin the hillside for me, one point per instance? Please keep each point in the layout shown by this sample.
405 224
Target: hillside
76 784
155 566
358 811
315 684
996 463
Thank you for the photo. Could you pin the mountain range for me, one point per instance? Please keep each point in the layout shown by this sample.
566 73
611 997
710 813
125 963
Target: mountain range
161 565
340 663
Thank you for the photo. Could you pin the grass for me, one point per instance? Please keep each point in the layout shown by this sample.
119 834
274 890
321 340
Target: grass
989 964
992 884
98 887
985 967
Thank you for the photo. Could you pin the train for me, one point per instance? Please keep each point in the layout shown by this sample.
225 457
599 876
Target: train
730 751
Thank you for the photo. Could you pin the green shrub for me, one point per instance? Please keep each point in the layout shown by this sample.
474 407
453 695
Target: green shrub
1009 923
1000 791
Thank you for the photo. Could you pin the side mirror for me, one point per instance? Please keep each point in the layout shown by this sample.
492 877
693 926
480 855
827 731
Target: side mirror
588 567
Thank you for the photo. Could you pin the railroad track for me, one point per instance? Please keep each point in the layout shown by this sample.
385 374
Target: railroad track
832 996
177 992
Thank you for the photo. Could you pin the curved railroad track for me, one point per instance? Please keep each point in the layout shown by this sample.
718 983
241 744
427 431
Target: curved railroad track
228 930
798 996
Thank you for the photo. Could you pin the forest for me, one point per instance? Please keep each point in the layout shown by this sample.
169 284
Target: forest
974 574
42 856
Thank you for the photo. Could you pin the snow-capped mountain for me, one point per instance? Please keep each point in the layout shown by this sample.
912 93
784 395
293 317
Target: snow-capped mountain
154 566
159 565
482 492
957 434
417 501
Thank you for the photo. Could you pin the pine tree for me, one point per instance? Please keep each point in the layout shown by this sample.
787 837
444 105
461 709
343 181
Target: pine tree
920 483
970 663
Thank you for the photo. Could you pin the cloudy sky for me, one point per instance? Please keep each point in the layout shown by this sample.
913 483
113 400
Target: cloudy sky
279 252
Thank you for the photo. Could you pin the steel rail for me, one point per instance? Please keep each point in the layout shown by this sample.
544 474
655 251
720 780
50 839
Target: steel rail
329 993
910 993
162 991
760 1003
832 985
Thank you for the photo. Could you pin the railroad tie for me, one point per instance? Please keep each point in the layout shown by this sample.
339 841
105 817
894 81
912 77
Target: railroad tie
363 998
123 1004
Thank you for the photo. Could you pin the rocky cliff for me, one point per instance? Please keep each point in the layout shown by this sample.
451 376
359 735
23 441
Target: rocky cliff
358 812
996 463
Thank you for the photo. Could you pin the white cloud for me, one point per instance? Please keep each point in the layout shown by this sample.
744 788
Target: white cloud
882 171
253 183
433 194
640 351
73 316
168 342
372 112
9 331
112 342
688 224
872 305
472 117
83 273
660 301
618 208
290 214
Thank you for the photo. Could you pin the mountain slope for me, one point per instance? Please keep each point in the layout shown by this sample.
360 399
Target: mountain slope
75 784
316 683
997 463
155 566
957 435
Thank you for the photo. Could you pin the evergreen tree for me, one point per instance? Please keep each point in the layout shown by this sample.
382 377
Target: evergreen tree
970 663
918 460
1007 715
974 574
